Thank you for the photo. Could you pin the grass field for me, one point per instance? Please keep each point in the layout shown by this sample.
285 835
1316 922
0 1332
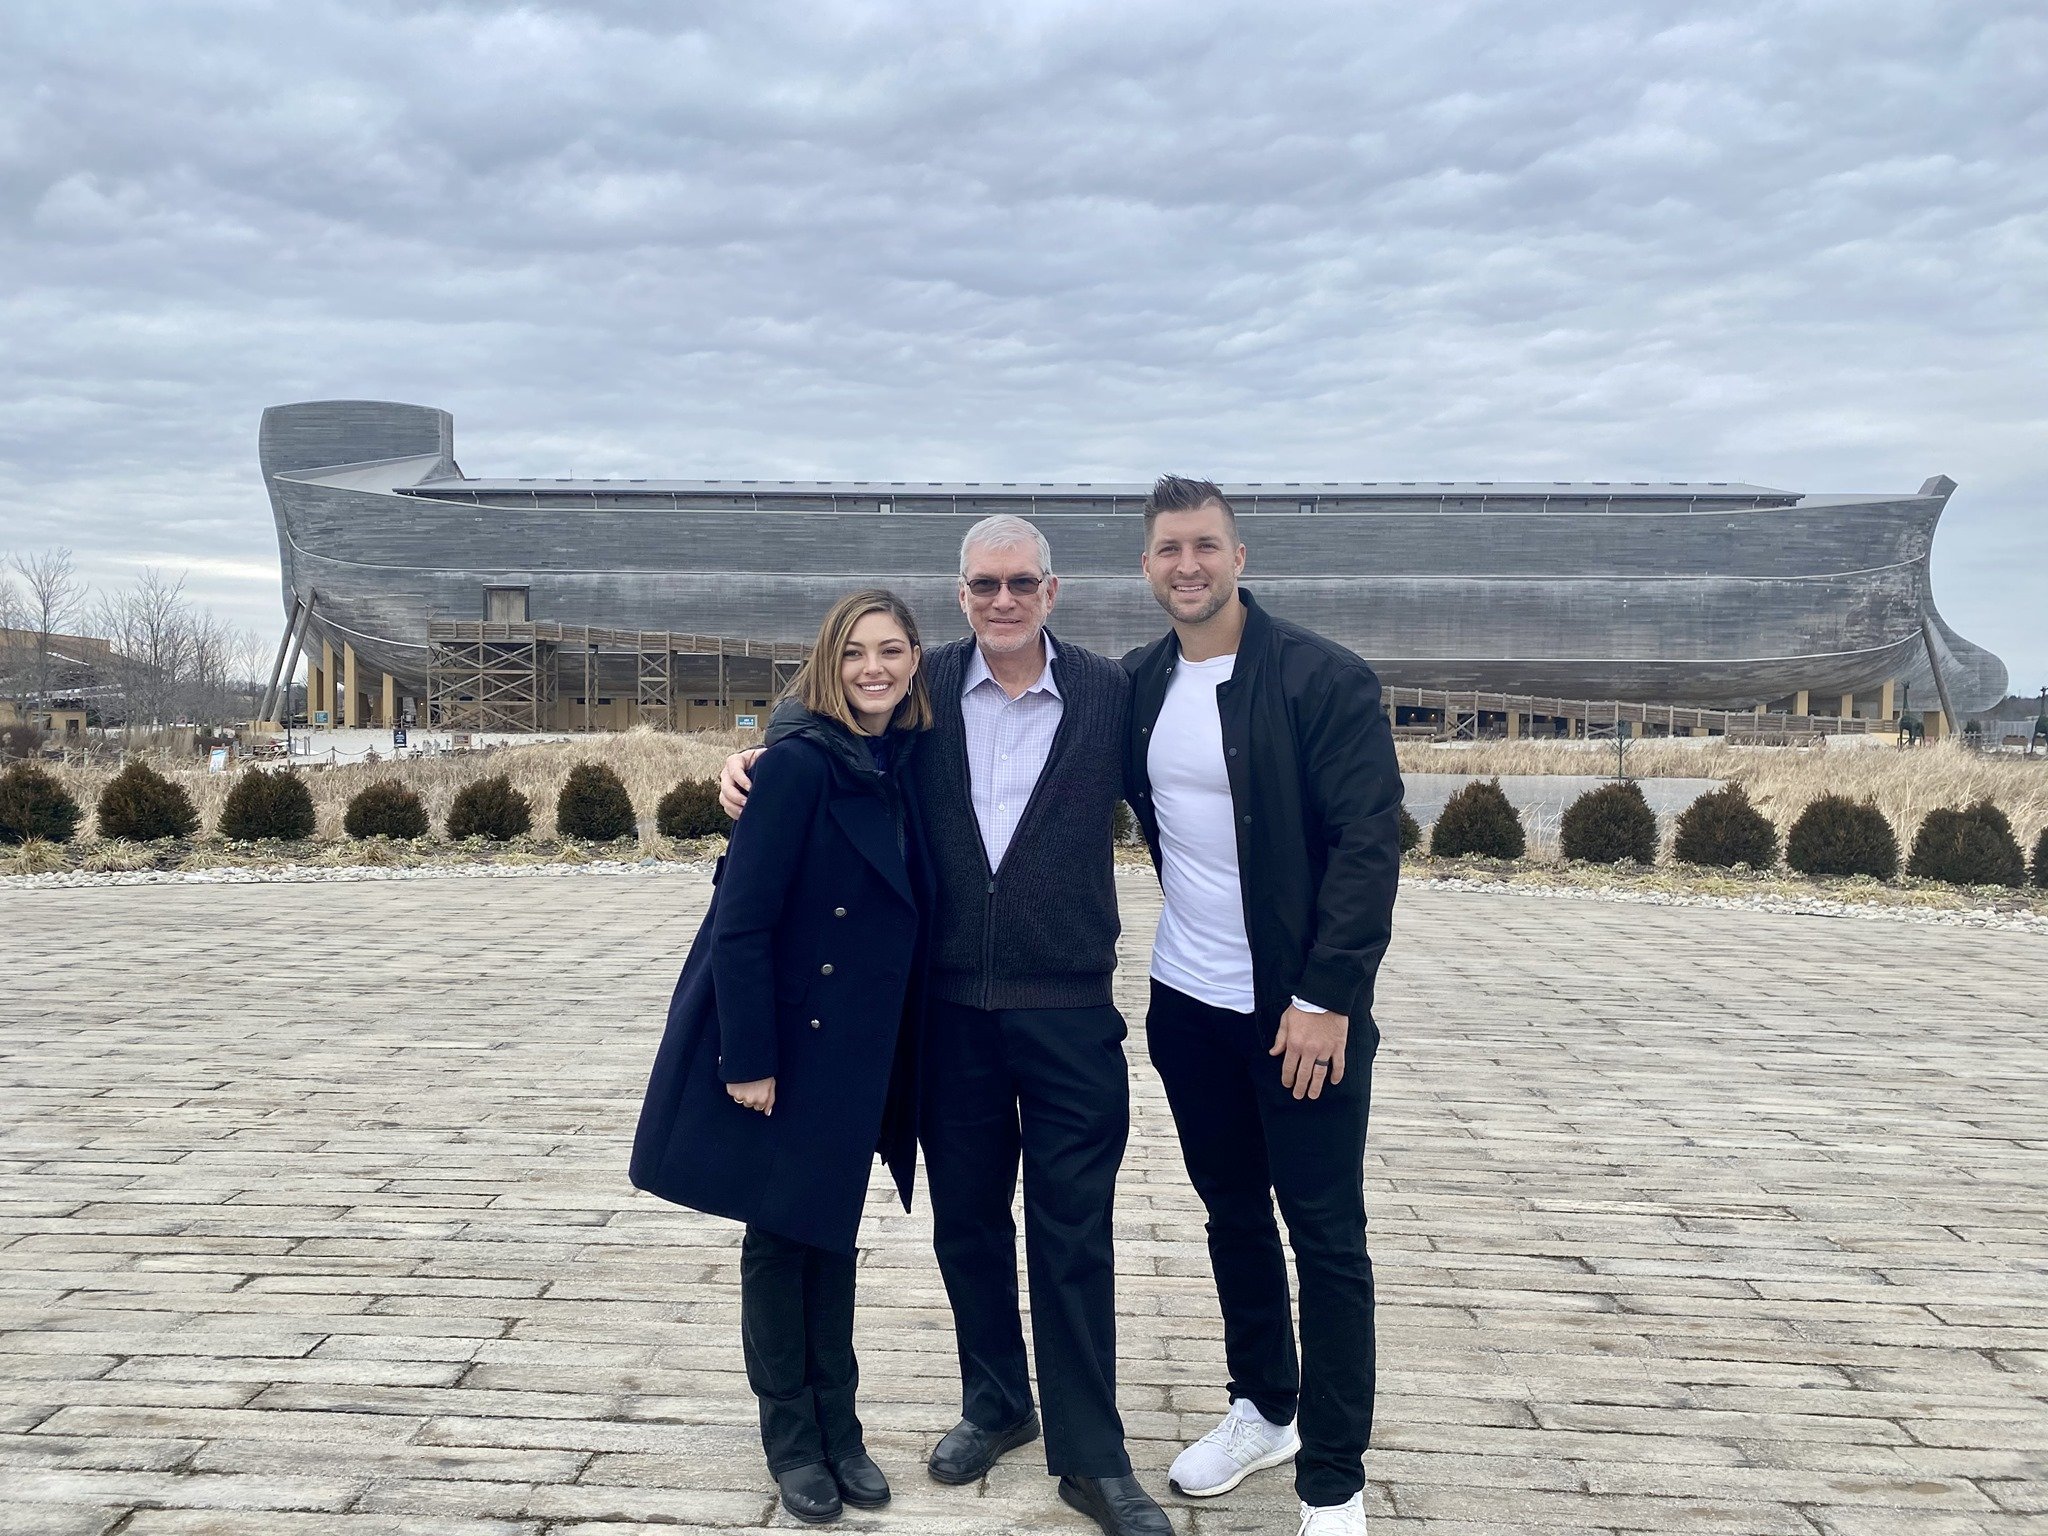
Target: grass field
1906 785
1783 780
651 763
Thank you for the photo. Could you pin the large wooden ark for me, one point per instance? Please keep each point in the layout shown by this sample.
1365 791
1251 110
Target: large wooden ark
1724 595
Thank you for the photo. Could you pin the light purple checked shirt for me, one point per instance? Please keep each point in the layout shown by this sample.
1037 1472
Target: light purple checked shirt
1008 742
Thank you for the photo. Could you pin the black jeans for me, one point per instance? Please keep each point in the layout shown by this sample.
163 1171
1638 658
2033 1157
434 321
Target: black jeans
1046 1086
796 1325
1246 1140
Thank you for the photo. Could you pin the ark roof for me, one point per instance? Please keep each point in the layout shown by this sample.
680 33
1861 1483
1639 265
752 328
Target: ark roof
1402 489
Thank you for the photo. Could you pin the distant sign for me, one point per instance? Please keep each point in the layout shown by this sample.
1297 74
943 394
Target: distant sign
398 738
217 760
320 717
746 722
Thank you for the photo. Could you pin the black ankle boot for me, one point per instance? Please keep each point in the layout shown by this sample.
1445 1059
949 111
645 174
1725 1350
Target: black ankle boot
810 1493
860 1481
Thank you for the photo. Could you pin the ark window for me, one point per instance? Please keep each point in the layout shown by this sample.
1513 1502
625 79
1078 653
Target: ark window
505 605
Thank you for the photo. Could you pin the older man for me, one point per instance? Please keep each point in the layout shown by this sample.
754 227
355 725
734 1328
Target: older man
1023 1053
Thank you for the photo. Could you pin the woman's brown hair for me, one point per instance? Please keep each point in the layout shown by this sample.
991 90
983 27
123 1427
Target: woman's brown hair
817 686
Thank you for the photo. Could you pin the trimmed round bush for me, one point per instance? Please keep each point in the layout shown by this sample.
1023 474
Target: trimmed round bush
1723 830
691 809
34 804
140 805
594 806
267 805
1478 820
1969 847
1610 825
2041 858
1838 836
1411 832
489 808
385 809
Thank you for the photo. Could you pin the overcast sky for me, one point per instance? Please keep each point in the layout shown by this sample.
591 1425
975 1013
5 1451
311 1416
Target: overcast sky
1802 244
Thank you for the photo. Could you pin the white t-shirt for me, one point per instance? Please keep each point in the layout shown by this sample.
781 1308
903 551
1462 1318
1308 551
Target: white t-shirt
1202 949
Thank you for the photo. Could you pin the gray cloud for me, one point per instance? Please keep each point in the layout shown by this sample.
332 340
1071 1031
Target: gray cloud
1801 244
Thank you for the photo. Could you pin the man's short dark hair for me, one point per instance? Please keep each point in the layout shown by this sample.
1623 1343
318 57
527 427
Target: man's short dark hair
1177 493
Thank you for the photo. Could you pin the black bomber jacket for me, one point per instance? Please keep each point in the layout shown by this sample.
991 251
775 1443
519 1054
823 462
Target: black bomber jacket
1317 792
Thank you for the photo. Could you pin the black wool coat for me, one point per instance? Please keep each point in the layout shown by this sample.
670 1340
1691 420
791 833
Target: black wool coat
805 968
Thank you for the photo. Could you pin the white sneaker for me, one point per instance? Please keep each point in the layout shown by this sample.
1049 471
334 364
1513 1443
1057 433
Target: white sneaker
1334 1519
1242 1444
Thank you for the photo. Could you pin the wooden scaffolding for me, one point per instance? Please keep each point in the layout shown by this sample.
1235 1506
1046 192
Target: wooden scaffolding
506 677
1461 714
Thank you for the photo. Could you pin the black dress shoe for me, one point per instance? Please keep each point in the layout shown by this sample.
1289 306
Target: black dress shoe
968 1451
860 1481
1120 1505
810 1493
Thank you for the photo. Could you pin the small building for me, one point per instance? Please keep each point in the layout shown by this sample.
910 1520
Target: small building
62 724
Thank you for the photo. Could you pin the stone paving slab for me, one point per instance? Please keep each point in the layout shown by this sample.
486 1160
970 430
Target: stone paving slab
313 1219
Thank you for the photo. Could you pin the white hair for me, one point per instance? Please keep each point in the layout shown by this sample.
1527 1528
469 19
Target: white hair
1001 532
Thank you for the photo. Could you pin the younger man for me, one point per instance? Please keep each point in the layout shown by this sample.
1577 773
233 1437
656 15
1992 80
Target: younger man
1262 770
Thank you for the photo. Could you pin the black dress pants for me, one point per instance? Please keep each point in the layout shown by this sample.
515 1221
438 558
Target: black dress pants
1047 1087
1246 1140
796 1325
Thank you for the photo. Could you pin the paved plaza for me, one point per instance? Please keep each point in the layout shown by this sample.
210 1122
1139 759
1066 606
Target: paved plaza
314 1222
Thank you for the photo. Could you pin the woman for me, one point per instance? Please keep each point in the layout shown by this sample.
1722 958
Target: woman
785 1066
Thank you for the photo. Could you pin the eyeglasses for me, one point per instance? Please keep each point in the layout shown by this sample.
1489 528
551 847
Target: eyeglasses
1020 586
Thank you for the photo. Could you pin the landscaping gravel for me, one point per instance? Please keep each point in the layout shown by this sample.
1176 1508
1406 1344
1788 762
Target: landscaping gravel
1814 906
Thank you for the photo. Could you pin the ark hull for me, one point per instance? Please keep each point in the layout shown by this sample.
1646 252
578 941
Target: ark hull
1719 596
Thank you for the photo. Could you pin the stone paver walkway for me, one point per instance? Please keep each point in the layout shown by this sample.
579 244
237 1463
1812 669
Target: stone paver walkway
313 1219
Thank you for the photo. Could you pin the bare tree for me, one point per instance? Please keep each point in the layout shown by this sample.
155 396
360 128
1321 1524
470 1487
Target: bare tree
52 598
12 651
249 662
221 681
153 631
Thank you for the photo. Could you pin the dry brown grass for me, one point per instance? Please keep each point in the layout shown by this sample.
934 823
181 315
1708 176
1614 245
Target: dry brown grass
1906 785
651 762
1783 780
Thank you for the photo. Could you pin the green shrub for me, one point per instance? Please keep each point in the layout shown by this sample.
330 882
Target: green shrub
1839 836
34 804
1478 820
1411 832
140 805
1610 825
2041 858
489 808
267 805
1723 829
385 809
1991 816
691 809
1971 847
594 806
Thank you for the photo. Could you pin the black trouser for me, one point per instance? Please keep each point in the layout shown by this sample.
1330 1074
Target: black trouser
1049 1085
796 1324
1246 1139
